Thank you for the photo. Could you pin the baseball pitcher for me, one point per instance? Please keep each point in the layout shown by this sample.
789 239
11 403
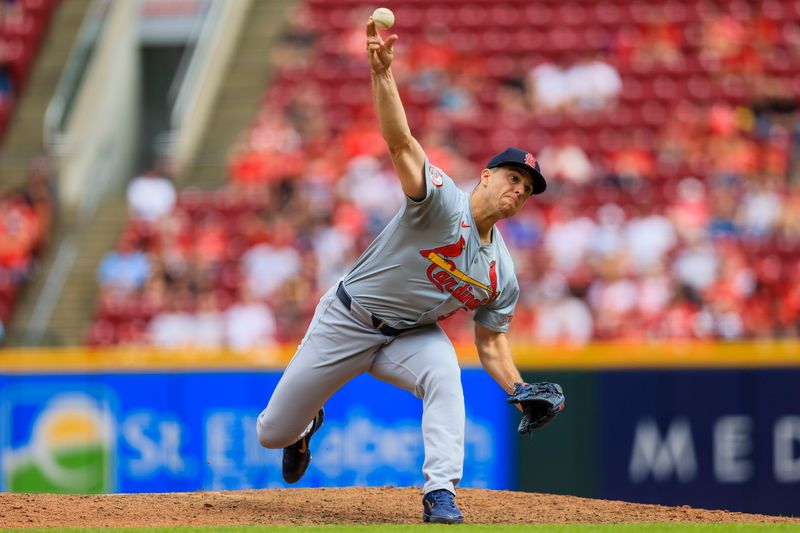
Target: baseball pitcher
439 254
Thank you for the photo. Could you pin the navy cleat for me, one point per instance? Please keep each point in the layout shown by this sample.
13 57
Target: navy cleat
297 456
440 507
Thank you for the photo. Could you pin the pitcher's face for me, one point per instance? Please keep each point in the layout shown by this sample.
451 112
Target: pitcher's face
508 188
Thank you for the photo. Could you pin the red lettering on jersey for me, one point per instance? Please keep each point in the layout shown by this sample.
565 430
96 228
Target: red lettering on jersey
446 277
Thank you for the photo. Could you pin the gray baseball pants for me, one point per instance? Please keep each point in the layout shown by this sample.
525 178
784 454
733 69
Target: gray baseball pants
339 345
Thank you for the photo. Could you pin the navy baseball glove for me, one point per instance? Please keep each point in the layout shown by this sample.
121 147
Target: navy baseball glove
540 402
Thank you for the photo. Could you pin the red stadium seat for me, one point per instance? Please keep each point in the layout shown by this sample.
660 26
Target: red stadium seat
640 12
595 38
675 11
734 87
571 14
608 14
538 15
410 17
39 8
529 41
504 16
496 40
665 88
699 88
470 15
6 105
632 90
780 63
500 65
564 38
772 9
622 117
101 333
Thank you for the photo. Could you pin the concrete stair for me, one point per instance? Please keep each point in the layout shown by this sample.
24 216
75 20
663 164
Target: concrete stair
241 93
75 307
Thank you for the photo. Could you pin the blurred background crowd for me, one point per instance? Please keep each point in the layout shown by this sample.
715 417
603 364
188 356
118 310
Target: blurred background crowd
668 135
26 212
671 211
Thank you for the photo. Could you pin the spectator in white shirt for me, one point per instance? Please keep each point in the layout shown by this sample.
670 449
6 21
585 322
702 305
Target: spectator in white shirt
173 327
568 240
601 85
548 87
249 324
151 195
649 237
267 267
565 160
760 211
697 264
560 316
209 322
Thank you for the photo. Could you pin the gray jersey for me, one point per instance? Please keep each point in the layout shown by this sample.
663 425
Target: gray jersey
428 263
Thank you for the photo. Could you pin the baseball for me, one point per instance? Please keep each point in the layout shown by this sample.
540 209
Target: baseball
383 17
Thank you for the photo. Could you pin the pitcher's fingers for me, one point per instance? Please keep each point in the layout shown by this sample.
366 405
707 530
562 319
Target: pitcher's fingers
371 30
390 42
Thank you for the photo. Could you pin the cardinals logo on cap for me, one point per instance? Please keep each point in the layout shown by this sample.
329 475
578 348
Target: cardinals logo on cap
530 160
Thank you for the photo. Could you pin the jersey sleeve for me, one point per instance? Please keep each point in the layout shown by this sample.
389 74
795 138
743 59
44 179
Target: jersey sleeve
441 203
496 315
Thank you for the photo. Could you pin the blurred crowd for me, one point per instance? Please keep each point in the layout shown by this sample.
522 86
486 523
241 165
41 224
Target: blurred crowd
26 217
682 223
23 24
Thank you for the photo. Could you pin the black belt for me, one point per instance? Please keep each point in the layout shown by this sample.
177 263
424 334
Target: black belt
345 298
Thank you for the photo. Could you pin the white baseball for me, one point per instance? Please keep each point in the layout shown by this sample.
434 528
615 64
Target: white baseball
383 17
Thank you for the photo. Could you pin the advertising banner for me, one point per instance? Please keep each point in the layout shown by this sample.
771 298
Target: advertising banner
720 439
186 431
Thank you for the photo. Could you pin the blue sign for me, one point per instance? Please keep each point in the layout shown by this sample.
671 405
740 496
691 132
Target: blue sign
156 432
720 439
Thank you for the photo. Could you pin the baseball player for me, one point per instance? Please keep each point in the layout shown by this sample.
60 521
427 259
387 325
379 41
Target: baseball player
441 253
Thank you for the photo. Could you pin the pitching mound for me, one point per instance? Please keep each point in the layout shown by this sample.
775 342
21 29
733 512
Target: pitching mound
356 505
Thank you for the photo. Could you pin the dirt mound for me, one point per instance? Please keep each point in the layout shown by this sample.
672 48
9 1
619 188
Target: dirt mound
355 505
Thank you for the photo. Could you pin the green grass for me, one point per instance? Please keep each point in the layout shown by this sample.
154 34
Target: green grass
469 528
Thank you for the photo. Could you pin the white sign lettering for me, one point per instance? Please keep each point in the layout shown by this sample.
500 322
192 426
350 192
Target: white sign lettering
662 458
786 463
732 446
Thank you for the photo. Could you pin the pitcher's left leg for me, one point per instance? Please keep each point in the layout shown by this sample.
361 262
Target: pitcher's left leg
424 363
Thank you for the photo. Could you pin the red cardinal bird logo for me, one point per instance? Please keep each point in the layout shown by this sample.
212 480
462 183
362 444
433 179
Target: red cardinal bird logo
447 278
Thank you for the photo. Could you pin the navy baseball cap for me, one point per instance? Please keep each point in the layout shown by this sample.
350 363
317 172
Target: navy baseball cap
514 157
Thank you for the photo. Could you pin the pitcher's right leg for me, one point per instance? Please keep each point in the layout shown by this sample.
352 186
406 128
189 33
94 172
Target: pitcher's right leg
424 362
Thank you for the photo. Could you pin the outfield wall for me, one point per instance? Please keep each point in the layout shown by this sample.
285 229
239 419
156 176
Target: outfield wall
714 426
195 430
711 438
